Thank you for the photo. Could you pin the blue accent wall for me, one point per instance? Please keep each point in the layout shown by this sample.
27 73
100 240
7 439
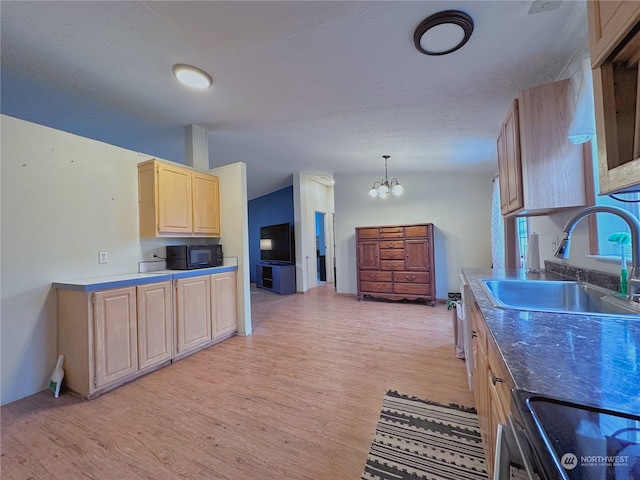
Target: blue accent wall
277 207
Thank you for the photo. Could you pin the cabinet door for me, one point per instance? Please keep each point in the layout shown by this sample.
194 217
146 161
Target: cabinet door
368 255
174 199
206 204
416 255
115 334
155 322
223 303
609 22
193 312
509 163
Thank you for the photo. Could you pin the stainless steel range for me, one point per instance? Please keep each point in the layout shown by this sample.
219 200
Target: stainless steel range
556 439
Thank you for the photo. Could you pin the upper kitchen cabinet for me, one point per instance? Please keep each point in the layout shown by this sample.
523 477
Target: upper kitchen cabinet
177 201
609 23
509 162
540 171
614 42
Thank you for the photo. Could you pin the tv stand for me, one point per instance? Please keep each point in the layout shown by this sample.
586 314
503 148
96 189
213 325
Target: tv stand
277 278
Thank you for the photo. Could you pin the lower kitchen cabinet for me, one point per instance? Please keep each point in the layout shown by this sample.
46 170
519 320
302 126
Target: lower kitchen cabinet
206 311
155 324
493 385
116 335
109 337
223 307
193 313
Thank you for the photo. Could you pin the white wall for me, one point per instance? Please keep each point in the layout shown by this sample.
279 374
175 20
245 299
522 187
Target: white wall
458 205
64 198
234 225
310 196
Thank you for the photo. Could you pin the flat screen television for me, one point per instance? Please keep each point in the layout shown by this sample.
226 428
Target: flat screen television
276 244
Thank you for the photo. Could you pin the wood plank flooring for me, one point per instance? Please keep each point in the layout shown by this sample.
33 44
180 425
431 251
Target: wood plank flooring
298 399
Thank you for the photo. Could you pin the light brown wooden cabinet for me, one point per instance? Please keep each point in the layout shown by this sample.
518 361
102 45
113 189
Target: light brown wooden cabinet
396 262
155 324
193 313
614 44
609 23
509 163
112 336
116 335
493 385
177 201
540 170
206 311
223 309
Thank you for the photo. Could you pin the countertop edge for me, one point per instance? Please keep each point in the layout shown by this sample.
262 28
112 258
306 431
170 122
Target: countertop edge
93 284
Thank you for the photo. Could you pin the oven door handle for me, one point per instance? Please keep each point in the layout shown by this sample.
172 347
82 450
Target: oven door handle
501 468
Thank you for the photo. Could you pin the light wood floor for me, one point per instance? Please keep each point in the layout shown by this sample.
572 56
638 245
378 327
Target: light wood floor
298 399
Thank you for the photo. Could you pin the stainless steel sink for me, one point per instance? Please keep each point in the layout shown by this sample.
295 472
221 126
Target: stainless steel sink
558 297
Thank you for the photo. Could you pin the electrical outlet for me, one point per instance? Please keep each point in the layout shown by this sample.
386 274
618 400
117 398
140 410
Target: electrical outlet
554 241
103 257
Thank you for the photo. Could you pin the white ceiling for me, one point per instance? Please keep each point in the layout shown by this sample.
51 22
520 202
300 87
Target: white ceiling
314 87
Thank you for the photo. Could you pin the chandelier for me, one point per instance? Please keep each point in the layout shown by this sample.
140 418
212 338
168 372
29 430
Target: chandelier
385 187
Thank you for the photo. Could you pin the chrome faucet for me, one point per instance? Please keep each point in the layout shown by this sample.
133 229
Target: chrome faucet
633 290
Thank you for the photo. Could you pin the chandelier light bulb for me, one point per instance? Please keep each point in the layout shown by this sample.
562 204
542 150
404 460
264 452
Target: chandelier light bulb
397 190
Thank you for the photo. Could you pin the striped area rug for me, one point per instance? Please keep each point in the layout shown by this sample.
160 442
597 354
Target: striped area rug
420 439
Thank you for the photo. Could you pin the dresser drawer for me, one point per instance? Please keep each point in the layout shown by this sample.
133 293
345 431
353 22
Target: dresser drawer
369 276
411 288
391 244
392 254
364 233
379 287
416 231
391 265
410 277
391 232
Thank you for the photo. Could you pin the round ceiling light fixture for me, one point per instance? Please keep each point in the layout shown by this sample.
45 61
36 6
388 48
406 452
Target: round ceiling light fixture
192 77
443 32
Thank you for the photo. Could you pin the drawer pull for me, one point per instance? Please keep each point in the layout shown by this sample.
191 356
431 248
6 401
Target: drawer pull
474 334
495 379
411 277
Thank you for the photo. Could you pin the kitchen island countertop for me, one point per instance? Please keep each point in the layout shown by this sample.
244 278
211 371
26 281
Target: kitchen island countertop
586 359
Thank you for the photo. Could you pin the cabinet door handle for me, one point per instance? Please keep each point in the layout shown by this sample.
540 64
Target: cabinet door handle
495 379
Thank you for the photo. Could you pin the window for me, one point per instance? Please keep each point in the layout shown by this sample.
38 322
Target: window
608 224
522 229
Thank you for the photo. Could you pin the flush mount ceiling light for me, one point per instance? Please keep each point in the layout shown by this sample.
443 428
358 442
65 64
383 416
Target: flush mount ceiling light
192 77
443 32
383 188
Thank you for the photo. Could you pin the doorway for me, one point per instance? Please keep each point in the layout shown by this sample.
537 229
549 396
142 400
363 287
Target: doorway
321 248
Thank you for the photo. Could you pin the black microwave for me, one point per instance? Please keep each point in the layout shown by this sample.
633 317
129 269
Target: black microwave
188 257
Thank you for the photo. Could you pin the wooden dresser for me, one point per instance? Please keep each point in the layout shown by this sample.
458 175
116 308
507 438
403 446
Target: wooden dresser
396 262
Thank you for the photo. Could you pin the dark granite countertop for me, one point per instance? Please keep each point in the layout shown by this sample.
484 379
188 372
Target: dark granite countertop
586 359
